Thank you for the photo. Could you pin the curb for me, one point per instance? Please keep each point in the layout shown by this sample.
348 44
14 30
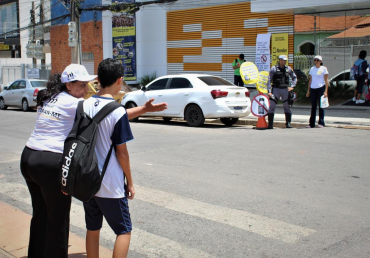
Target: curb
277 124
281 124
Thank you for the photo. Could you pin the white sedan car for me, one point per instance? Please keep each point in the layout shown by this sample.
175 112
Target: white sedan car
21 93
193 97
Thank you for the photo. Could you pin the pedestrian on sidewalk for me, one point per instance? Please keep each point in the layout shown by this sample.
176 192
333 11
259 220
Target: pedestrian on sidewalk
111 201
40 160
238 81
317 86
362 65
279 77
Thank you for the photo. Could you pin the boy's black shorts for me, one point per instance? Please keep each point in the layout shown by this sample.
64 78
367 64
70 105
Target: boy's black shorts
115 211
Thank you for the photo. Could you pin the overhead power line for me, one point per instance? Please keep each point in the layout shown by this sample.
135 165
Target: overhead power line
127 7
35 25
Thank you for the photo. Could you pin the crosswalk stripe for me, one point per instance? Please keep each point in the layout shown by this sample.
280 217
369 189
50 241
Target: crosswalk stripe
142 242
267 227
9 161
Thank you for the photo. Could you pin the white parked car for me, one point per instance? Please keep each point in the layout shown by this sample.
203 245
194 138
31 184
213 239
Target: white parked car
342 78
193 97
21 93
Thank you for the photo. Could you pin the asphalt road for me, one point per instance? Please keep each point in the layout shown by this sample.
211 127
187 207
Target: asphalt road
229 192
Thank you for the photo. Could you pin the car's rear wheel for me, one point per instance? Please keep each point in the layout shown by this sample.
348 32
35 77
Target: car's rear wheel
2 104
229 121
167 119
194 116
25 106
132 105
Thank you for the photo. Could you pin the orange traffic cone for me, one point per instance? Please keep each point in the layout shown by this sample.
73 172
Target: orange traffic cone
261 123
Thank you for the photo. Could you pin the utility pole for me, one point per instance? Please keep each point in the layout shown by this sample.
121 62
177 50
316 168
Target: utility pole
33 22
43 63
76 51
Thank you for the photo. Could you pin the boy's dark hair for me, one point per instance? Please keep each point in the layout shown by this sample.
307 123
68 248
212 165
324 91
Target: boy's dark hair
362 54
109 70
241 56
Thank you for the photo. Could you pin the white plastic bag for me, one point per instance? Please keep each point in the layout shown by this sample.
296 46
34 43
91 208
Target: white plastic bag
324 102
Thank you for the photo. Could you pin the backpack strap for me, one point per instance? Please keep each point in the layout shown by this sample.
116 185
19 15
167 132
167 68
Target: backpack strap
106 110
106 162
79 110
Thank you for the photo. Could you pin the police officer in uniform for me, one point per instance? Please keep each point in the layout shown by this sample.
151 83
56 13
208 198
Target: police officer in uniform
278 88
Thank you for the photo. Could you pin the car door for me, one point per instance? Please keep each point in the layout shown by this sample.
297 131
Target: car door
10 94
177 95
19 92
156 91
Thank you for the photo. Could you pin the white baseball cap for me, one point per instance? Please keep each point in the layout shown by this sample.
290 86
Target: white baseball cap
76 72
318 57
283 57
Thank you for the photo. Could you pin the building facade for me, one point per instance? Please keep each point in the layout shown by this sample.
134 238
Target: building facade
192 36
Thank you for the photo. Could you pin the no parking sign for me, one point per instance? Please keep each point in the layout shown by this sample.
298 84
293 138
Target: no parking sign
260 105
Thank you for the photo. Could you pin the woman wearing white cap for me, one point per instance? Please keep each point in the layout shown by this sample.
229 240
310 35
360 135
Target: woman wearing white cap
317 87
56 109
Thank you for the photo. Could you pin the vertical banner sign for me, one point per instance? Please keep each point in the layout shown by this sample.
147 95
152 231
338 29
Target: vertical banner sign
263 52
124 41
279 46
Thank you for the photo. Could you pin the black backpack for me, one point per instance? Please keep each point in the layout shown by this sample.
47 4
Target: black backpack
79 172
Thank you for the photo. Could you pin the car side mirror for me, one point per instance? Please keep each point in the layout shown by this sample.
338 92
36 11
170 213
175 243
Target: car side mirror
143 88
5 88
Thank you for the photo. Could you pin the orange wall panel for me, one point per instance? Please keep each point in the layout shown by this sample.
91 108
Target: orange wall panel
212 42
202 67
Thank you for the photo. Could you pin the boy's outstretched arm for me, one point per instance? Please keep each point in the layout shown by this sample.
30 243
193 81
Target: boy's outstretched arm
124 161
147 107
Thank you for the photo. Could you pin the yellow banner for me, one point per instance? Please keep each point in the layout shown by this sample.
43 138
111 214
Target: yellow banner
249 73
4 47
123 31
279 46
263 78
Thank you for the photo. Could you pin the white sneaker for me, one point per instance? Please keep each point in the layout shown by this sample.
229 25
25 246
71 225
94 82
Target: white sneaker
360 101
354 99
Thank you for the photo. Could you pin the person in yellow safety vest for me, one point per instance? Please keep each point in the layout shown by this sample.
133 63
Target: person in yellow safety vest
236 66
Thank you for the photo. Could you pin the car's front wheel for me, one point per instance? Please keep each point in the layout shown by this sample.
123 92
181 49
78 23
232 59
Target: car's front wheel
25 106
194 116
132 105
229 121
2 104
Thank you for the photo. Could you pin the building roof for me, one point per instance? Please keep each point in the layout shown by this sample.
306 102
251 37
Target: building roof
360 30
305 23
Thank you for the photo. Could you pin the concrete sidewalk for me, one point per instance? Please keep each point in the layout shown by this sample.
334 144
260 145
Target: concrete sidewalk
302 121
14 235
301 116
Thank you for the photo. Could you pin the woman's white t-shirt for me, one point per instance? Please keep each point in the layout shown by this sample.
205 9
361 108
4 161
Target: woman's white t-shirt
317 76
53 124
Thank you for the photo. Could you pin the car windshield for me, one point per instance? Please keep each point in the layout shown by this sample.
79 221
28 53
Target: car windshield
36 84
215 81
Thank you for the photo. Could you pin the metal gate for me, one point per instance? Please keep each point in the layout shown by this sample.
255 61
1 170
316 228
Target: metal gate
10 73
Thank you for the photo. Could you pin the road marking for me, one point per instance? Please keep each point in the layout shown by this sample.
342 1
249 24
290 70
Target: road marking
264 226
142 242
9 161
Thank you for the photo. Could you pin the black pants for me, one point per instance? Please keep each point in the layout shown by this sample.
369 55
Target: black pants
238 81
315 99
50 218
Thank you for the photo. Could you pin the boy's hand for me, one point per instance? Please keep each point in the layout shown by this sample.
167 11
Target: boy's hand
130 192
150 107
